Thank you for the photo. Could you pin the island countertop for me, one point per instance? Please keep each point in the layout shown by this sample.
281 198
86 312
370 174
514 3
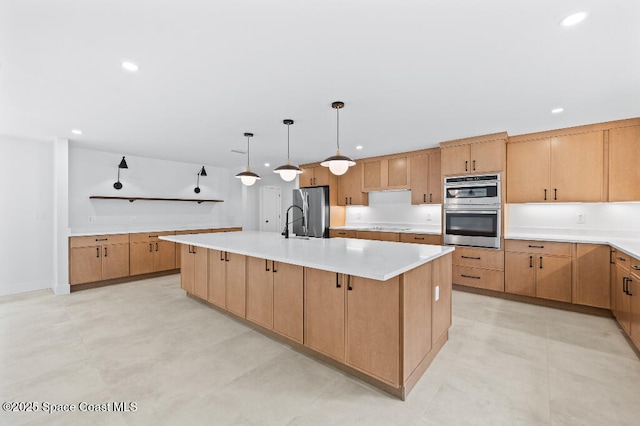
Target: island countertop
378 260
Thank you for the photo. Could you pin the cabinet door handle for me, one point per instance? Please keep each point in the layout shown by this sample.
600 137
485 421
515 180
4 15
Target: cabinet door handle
349 283
346 200
102 239
530 246
273 266
98 252
194 250
621 259
424 198
470 257
431 198
266 265
221 257
474 165
350 202
466 166
226 256
418 238
156 246
555 194
629 291
624 284
540 262
150 248
470 276
530 261
190 249
338 282
545 194
105 252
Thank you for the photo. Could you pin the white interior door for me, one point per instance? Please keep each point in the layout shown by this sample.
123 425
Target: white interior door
270 209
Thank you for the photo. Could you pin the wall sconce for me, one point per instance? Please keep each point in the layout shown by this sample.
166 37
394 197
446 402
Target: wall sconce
122 165
202 172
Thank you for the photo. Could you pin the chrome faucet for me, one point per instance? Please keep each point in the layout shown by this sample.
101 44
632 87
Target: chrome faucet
286 220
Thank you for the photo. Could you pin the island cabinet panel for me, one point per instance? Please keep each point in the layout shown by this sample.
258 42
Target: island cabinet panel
260 291
194 273
324 312
441 300
373 327
236 282
288 300
624 157
217 278
193 231
187 268
417 318
593 275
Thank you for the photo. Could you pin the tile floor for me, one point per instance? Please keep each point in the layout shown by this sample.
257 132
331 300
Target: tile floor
506 363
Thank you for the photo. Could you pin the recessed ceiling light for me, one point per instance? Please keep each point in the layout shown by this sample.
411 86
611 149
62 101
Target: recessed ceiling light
267 164
130 66
359 147
573 19
76 131
557 110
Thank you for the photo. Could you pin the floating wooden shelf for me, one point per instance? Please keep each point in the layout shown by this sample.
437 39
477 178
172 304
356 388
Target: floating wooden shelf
132 199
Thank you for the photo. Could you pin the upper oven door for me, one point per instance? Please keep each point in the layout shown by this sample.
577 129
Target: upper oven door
477 192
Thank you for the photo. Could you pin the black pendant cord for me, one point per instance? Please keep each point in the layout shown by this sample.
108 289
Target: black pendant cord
248 151
338 128
288 156
118 174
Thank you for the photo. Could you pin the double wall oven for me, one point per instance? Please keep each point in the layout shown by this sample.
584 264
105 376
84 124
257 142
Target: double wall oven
472 211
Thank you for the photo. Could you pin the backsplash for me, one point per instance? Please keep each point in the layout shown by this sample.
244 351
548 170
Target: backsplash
619 217
394 207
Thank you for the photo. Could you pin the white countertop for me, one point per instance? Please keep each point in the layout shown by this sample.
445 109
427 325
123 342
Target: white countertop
626 242
147 228
401 229
378 260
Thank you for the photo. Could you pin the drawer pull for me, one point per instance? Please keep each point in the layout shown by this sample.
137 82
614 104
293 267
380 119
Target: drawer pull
530 246
635 268
470 257
424 198
621 259
153 236
102 239
469 276
418 238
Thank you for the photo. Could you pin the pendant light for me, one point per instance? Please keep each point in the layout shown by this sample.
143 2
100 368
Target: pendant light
202 172
247 177
338 164
122 165
288 172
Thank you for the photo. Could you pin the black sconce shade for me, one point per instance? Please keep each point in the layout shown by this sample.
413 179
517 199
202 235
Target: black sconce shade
122 165
202 172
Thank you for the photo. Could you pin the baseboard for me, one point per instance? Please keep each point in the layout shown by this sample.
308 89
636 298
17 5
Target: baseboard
23 287
62 289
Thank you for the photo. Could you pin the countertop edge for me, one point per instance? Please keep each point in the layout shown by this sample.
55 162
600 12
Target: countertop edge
631 246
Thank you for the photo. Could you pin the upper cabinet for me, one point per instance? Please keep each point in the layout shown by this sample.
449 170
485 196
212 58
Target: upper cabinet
426 179
350 188
562 168
624 157
482 154
314 175
383 173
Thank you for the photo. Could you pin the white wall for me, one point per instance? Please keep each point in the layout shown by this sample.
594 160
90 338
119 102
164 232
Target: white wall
94 172
27 215
616 218
394 207
251 199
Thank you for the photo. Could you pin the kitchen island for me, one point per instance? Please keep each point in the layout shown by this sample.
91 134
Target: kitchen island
377 310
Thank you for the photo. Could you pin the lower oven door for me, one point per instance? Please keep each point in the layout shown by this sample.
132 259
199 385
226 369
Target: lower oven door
476 228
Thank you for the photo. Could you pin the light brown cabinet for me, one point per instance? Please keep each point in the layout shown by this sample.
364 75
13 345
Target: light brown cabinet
314 175
622 298
384 173
538 268
324 312
98 257
564 168
633 290
275 296
461 158
194 276
179 251
227 280
479 267
421 239
150 254
374 305
624 157
378 235
342 233
350 188
426 179
592 281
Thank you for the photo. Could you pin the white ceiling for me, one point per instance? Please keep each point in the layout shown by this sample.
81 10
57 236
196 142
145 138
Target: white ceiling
411 73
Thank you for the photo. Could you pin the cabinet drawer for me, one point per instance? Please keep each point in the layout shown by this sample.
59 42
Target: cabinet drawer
145 237
342 233
623 260
538 247
480 278
635 265
479 258
99 240
377 235
193 231
421 239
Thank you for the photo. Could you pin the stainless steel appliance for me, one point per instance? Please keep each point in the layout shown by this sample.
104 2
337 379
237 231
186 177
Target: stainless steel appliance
314 203
472 211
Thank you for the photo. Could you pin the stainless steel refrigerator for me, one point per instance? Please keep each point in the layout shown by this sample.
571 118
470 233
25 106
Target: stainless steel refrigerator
314 203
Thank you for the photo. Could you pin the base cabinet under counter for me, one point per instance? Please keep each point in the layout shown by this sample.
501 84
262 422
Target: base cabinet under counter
98 257
479 268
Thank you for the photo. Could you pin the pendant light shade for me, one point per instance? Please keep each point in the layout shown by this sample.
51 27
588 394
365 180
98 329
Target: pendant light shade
288 172
248 177
338 164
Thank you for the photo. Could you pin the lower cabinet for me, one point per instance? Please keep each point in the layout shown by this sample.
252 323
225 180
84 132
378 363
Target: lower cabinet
194 276
150 254
622 297
633 288
479 267
342 233
227 280
592 287
98 257
421 239
378 235
275 296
